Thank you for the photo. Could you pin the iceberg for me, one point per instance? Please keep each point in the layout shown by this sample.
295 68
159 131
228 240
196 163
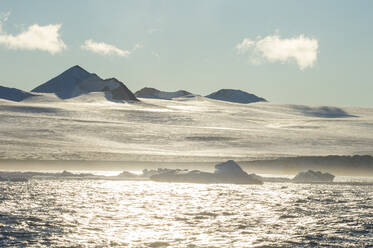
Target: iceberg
313 176
228 172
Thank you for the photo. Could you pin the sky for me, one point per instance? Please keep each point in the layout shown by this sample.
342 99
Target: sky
298 52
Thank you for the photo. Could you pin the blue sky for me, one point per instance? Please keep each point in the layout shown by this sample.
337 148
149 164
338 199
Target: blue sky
302 52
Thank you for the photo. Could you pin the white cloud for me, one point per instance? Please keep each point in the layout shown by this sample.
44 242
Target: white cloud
273 49
244 45
104 48
35 37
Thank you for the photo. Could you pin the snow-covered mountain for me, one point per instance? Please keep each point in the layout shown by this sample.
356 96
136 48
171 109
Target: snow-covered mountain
76 81
13 94
195 129
237 96
157 94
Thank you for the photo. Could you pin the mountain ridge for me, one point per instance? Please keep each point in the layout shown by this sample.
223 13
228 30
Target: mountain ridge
14 94
76 81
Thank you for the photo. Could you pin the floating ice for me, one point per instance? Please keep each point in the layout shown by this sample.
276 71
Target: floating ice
228 172
313 176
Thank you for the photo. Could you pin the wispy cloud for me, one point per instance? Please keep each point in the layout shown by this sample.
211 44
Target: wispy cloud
137 46
155 54
3 18
104 48
244 46
273 48
153 30
35 37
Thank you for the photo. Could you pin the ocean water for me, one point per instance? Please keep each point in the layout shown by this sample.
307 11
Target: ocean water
102 213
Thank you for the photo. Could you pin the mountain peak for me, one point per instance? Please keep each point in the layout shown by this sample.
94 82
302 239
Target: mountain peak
149 92
63 84
77 70
237 96
76 81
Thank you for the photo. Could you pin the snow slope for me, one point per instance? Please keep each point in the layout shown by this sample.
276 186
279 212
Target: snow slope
191 130
13 94
76 81
157 94
237 96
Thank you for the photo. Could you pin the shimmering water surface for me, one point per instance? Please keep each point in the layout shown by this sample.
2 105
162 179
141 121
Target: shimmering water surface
92 213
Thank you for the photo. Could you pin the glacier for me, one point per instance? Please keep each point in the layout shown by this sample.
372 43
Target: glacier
88 127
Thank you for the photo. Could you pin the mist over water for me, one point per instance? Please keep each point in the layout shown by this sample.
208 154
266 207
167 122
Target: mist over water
91 213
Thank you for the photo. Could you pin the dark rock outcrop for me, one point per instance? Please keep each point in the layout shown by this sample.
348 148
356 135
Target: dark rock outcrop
13 94
157 94
237 96
121 92
76 81
64 84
